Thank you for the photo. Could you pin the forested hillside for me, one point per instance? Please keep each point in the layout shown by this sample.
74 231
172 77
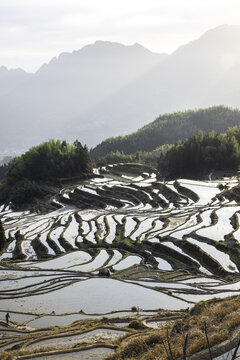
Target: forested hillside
169 129
46 162
202 153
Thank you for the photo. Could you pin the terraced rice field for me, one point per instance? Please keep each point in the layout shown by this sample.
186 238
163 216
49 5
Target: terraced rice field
167 246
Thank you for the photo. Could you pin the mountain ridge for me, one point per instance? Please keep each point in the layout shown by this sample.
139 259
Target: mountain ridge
169 129
93 97
57 93
11 78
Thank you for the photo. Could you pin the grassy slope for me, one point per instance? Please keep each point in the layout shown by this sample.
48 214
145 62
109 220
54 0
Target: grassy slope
222 319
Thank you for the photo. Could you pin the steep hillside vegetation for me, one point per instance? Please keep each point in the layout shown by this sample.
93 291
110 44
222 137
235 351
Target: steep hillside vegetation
169 129
49 161
202 153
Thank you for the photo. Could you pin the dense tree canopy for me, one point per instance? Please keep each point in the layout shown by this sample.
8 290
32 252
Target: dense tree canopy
114 158
51 159
143 157
47 161
2 237
202 153
3 171
169 129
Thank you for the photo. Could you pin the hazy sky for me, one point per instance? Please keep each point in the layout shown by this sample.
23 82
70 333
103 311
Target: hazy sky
33 31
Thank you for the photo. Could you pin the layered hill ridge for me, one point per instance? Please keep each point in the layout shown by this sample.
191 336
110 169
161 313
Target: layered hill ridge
68 87
108 89
169 129
10 79
194 76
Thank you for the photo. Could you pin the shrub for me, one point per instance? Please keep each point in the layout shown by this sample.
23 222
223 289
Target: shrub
137 325
2 237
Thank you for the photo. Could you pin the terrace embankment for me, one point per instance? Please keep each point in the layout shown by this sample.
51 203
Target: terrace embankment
128 336
163 246
222 321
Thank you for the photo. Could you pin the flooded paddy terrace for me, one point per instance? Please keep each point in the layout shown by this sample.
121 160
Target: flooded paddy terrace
167 245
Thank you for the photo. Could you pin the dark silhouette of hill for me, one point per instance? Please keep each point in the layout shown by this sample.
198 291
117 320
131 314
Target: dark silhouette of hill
49 161
202 154
169 129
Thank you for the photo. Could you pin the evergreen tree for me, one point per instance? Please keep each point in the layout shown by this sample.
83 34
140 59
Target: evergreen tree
201 153
2 237
46 162
169 129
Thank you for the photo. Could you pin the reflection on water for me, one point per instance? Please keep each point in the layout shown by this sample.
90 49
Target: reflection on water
91 354
90 336
95 295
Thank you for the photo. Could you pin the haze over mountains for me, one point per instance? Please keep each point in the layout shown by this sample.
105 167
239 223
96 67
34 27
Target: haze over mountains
108 89
10 79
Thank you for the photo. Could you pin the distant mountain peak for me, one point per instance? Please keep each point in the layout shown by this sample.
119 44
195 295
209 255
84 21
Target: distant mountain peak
5 70
107 88
104 50
222 30
139 46
111 47
221 40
